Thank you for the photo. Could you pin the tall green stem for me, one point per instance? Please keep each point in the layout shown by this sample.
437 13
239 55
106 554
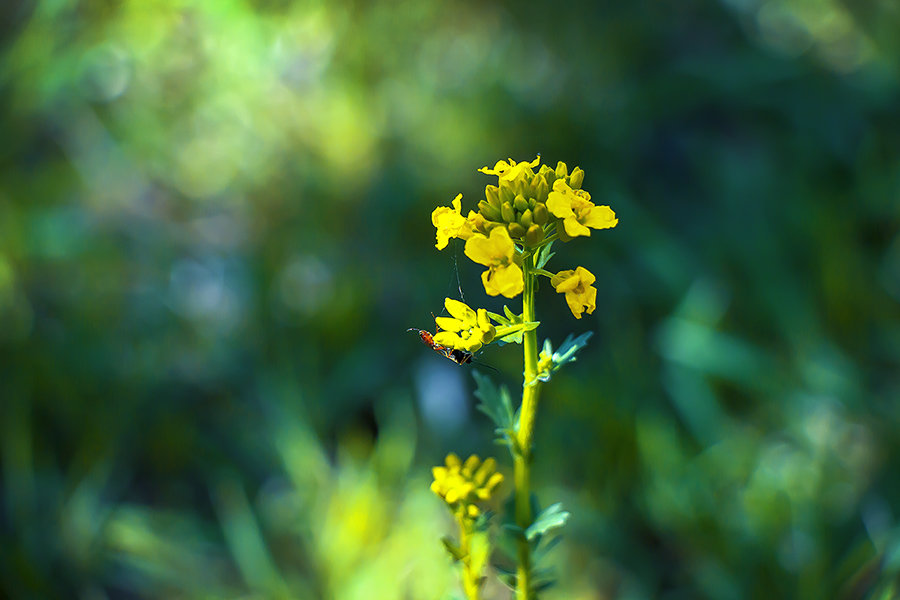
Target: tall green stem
471 579
522 459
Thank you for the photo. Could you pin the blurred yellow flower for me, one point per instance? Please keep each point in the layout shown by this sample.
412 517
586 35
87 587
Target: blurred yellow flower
576 285
466 329
461 485
577 211
497 252
448 222
507 171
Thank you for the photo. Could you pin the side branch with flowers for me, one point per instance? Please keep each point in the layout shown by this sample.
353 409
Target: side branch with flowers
511 234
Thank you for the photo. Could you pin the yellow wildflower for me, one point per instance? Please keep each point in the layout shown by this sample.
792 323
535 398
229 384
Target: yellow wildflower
497 252
461 485
448 222
466 330
507 171
576 285
577 211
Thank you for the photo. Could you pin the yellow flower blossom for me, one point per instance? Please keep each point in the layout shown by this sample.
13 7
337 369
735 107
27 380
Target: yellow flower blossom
577 211
576 285
466 329
508 171
462 484
448 222
497 252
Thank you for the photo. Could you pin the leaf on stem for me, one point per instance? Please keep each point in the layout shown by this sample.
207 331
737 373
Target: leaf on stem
551 517
455 552
495 402
549 361
511 326
543 256
570 348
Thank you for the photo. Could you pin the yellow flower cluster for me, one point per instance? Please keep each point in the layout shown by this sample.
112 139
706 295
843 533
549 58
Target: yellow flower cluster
527 209
465 329
463 484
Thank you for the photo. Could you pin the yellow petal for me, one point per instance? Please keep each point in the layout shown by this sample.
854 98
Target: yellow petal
585 276
508 281
500 167
489 250
584 301
601 217
448 339
482 320
486 468
461 311
559 201
574 228
471 464
452 460
565 281
478 249
448 323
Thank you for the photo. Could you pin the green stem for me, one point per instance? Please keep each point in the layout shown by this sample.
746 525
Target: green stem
525 434
471 583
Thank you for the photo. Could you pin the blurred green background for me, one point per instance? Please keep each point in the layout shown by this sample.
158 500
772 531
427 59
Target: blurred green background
215 230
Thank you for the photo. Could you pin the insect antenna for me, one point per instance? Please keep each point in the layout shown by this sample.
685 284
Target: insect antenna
485 365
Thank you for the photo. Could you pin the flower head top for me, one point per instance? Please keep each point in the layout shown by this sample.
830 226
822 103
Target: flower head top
581 296
498 253
528 204
463 484
577 211
466 329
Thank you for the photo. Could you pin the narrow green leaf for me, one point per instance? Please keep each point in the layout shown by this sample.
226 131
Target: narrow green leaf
566 352
452 548
550 518
500 320
544 256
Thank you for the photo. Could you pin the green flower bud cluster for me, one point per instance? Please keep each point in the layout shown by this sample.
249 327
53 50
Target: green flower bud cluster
520 203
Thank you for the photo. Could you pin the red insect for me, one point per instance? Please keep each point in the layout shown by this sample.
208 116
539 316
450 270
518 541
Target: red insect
460 357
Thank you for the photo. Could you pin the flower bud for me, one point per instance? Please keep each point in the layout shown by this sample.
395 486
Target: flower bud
576 178
492 193
507 212
520 186
541 189
541 214
526 219
488 211
534 235
520 203
515 230
506 192
561 170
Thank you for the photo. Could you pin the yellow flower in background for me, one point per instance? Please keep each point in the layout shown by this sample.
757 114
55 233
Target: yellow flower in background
577 211
576 285
462 484
507 171
448 222
466 329
497 252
